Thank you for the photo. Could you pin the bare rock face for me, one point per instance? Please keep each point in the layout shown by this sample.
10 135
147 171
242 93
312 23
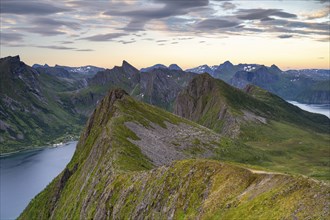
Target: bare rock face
203 102
189 103
165 145
216 105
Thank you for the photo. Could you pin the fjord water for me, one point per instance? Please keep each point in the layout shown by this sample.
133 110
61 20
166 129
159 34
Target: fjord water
323 109
23 175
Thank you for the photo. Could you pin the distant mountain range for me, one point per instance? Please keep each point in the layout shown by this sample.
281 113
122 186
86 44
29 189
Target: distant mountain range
83 70
41 104
294 85
297 85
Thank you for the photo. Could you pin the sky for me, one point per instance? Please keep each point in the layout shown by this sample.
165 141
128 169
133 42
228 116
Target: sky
292 34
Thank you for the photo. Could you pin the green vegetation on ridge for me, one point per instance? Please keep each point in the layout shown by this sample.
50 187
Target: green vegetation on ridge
110 177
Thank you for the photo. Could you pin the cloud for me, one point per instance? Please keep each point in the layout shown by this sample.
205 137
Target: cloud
10 37
56 47
84 50
259 14
49 23
228 6
104 37
285 36
127 42
311 26
164 9
148 39
214 24
66 42
21 7
41 30
322 13
323 1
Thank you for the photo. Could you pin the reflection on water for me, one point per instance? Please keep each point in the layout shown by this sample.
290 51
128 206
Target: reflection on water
23 175
323 109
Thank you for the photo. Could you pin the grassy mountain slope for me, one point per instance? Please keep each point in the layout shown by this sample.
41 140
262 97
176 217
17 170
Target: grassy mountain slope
123 168
294 140
31 111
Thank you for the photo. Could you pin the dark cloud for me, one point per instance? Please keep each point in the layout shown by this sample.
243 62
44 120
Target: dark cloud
228 6
10 37
56 47
104 37
214 24
161 41
259 14
66 42
127 42
175 42
284 36
267 19
167 9
41 30
84 50
49 23
183 4
22 7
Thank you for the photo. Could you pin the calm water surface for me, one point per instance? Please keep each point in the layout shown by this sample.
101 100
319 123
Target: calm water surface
321 109
23 175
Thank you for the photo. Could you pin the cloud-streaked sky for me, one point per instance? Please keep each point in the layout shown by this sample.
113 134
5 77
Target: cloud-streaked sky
291 34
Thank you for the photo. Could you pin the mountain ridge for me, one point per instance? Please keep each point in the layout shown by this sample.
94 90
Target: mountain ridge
110 176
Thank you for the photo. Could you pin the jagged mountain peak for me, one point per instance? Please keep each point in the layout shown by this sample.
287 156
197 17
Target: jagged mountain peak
128 68
11 59
174 67
275 68
227 63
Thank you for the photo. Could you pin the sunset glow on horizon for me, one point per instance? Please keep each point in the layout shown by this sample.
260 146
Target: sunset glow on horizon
292 35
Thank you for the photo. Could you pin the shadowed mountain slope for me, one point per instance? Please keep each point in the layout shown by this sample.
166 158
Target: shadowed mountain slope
31 109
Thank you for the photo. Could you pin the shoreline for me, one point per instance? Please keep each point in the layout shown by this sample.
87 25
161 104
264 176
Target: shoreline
36 149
